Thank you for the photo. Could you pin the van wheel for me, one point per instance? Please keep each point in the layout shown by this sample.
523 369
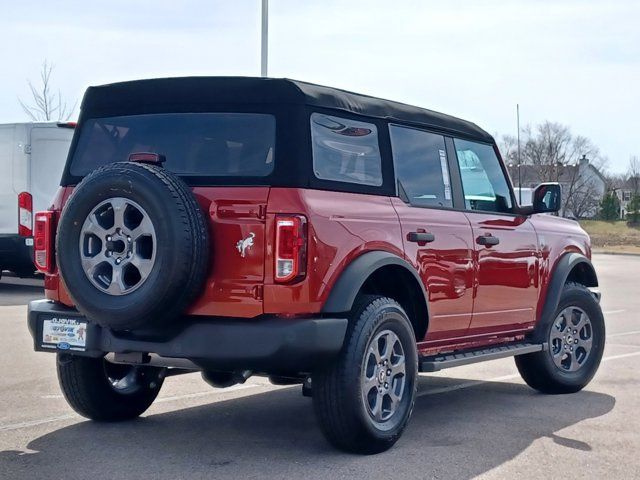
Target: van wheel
575 337
364 399
105 391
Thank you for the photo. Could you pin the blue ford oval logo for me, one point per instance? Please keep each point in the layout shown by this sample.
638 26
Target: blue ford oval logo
63 346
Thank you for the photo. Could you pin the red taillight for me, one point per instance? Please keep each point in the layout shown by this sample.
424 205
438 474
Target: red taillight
43 241
25 214
291 248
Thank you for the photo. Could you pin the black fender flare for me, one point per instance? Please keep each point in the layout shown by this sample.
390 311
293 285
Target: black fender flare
563 268
353 277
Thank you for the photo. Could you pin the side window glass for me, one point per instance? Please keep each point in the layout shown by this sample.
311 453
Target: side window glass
420 161
483 181
345 150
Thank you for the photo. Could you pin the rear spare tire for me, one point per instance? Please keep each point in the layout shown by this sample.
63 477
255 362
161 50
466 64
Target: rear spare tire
132 246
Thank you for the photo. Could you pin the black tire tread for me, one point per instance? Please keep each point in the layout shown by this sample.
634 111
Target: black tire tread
198 231
335 423
336 419
86 389
534 370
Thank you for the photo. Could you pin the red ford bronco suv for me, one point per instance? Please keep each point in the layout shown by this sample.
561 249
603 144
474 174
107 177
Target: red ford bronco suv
244 226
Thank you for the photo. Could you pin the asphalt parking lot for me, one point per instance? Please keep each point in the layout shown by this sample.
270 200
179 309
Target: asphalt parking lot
479 421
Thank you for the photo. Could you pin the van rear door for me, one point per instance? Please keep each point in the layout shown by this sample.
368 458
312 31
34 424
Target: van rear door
49 149
8 196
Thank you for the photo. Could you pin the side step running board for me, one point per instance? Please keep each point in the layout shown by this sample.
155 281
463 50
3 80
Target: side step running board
466 357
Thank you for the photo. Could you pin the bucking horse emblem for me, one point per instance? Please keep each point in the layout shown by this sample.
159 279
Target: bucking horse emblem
244 244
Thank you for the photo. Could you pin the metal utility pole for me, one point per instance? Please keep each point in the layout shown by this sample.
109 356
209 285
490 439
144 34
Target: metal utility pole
264 50
519 162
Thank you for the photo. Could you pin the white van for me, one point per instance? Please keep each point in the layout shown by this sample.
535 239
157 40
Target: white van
32 156
524 195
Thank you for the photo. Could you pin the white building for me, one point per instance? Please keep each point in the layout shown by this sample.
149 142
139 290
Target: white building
583 186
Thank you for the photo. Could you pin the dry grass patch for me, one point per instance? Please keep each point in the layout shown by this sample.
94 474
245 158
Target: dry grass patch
614 236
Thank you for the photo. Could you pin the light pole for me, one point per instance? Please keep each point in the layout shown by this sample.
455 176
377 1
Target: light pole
264 46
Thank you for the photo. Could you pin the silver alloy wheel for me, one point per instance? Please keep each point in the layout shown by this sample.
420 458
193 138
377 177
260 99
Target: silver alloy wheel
126 380
117 246
383 376
571 339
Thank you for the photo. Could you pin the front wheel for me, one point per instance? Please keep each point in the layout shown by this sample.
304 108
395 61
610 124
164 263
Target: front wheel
105 391
364 399
575 337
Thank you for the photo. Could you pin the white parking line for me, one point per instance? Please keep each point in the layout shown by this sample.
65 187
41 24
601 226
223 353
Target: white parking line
34 423
474 383
470 384
234 388
613 312
623 355
623 334
452 388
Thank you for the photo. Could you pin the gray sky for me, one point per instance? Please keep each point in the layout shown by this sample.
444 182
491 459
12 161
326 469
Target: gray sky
572 61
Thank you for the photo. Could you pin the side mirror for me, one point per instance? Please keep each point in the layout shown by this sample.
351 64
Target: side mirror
547 198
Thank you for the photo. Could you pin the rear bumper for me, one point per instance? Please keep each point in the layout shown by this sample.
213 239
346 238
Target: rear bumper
269 345
16 254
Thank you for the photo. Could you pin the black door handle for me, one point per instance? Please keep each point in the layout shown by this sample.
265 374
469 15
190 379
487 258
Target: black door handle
420 237
487 240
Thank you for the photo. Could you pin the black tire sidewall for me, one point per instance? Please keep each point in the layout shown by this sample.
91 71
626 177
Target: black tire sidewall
172 247
84 383
389 316
577 296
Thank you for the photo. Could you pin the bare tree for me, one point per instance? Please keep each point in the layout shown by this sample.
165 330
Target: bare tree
508 146
551 153
615 181
47 105
552 146
580 198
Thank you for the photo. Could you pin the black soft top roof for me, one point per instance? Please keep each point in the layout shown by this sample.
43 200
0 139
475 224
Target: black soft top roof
198 93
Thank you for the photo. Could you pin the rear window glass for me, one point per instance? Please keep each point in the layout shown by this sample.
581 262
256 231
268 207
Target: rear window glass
345 150
194 144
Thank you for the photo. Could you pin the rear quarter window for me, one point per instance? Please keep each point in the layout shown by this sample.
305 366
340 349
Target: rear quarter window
194 144
345 150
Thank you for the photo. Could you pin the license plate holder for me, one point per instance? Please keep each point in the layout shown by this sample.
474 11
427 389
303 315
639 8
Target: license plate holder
62 332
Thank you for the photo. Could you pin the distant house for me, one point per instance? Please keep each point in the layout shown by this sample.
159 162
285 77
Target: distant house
625 194
583 186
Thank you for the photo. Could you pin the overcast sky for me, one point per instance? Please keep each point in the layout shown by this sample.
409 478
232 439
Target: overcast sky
572 61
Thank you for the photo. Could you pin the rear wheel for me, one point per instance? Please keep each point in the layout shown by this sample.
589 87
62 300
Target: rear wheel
575 337
364 399
105 391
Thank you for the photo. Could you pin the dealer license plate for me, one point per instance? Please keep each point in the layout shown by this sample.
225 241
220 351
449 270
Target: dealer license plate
64 334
